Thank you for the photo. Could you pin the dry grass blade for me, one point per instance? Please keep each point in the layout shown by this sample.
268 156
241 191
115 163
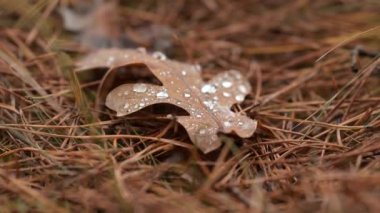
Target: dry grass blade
29 194
27 78
315 149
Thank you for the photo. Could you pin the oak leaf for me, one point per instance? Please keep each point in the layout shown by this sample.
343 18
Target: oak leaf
208 103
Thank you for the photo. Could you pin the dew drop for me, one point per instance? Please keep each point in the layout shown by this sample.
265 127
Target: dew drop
209 104
202 131
226 94
227 84
126 106
208 88
239 98
183 72
186 95
197 67
243 89
162 94
142 104
110 60
140 88
159 56
227 124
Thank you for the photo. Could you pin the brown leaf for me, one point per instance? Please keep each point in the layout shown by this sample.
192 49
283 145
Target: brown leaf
208 103
98 27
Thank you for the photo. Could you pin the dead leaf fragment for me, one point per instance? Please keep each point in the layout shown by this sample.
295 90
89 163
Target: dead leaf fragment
208 103
98 23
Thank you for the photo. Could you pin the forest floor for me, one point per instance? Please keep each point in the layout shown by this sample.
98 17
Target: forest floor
314 67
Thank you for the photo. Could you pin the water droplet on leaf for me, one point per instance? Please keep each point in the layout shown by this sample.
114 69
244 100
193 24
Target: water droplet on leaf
202 131
110 60
139 88
243 89
208 88
226 94
162 94
227 84
209 103
159 56
239 98
227 124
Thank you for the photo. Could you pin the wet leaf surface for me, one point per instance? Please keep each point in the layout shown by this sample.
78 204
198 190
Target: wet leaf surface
208 103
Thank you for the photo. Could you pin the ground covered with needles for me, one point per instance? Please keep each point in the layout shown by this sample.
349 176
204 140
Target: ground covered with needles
314 68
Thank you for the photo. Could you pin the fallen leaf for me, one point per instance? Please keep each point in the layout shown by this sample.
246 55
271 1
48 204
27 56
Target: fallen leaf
208 103
98 23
